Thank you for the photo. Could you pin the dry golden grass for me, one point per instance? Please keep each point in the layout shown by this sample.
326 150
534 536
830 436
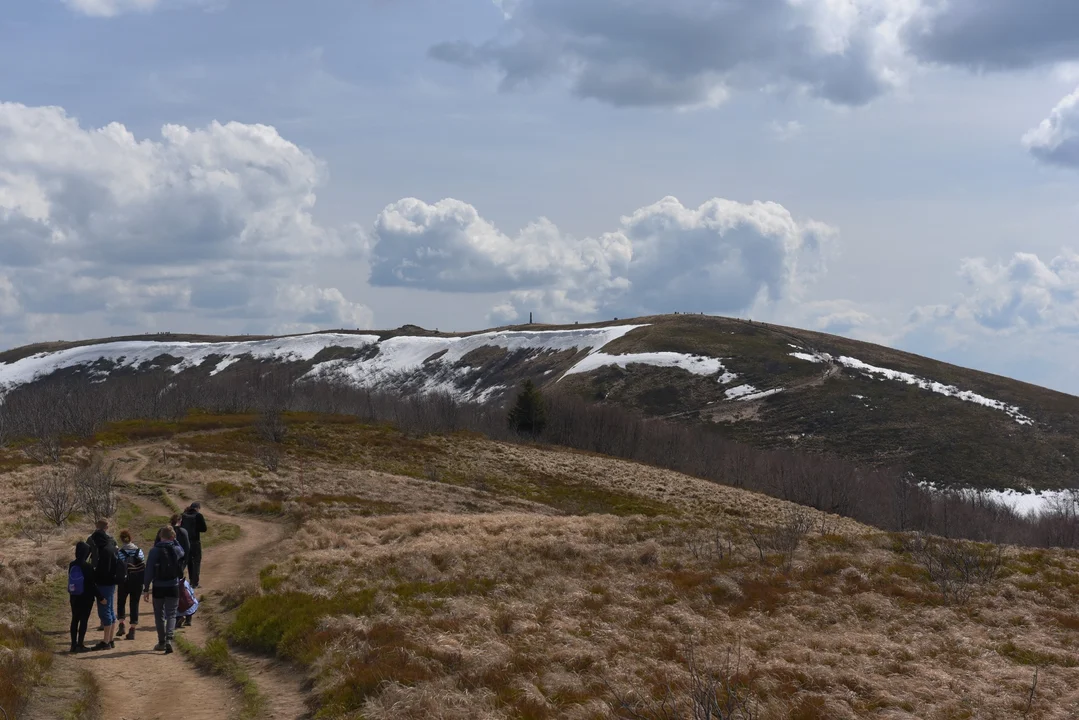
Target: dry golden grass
513 615
454 577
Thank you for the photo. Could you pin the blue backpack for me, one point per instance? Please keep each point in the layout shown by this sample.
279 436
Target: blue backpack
76 580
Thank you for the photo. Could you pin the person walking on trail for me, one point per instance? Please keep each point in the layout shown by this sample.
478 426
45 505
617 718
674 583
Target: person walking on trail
195 524
130 590
164 570
182 538
82 593
105 562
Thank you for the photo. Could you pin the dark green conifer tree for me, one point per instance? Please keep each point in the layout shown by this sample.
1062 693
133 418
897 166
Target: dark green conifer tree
528 416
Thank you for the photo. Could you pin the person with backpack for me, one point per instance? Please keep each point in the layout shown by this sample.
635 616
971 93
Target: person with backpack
132 556
182 538
81 592
108 571
164 570
195 524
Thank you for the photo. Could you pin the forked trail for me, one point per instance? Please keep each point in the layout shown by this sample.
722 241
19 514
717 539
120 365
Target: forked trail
139 684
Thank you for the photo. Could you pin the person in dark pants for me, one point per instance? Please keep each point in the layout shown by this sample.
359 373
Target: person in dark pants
131 589
82 591
164 571
195 524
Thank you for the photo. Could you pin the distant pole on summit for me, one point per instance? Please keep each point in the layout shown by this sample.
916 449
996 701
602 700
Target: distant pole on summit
530 318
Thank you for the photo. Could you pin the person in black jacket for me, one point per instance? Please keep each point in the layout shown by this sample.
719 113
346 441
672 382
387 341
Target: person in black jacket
103 552
82 598
182 538
195 524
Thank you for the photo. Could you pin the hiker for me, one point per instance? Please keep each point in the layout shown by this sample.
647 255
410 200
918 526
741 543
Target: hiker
163 572
195 524
103 559
182 538
132 555
82 592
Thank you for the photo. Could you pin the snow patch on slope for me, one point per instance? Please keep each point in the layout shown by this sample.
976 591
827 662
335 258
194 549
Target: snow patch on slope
403 357
748 392
696 364
132 354
939 388
400 360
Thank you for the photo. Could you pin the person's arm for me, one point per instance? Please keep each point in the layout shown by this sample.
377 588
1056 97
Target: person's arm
148 573
201 523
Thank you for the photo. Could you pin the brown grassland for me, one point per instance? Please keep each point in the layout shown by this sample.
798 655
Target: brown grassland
456 577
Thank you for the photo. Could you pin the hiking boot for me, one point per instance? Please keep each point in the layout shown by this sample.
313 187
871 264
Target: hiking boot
130 634
120 631
168 648
100 646
112 644
159 647
74 649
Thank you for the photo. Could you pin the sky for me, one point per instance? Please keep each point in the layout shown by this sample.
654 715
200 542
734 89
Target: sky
899 171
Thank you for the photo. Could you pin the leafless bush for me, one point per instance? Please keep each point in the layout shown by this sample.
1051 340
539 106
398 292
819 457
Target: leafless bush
958 568
269 455
724 693
784 538
713 546
36 532
45 450
271 426
55 496
95 487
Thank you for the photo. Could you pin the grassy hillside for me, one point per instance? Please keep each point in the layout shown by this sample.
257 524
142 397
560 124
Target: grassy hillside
457 577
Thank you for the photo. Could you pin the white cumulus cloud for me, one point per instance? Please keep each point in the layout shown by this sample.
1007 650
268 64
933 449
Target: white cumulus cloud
1056 139
95 220
1025 292
721 256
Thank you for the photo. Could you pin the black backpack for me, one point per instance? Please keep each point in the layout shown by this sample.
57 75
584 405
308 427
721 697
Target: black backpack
103 559
119 570
167 564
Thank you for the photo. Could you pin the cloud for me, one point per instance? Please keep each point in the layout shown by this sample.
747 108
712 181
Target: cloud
115 8
995 34
786 131
1056 139
694 53
1023 293
198 220
110 8
686 53
721 256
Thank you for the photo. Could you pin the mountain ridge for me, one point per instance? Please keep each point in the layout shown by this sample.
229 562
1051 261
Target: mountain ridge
767 385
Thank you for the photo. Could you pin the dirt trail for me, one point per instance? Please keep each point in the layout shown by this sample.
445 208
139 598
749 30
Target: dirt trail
139 684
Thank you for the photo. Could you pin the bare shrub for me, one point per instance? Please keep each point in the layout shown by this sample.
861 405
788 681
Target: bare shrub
55 496
784 538
271 426
36 532
95 487
270 456
712 546
46 450
723 693
958 568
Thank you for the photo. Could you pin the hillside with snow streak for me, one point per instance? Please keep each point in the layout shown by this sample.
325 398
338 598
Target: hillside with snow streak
760 384
407 362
